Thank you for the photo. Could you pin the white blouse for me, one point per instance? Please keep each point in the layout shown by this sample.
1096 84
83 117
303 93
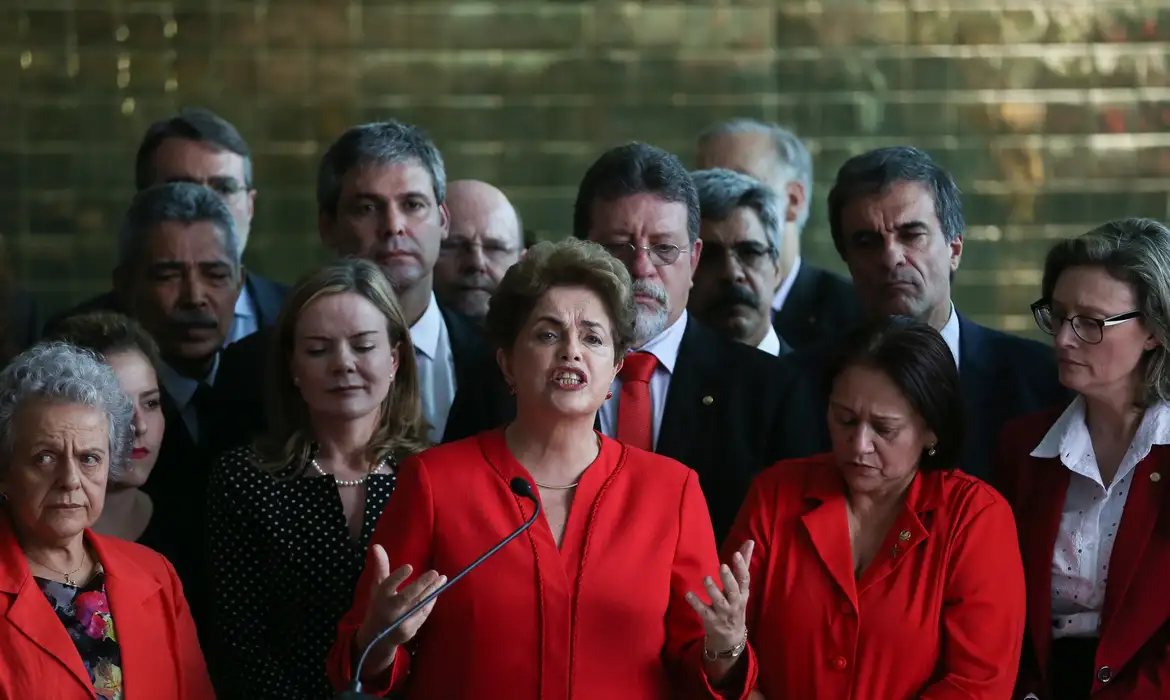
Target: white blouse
1091 515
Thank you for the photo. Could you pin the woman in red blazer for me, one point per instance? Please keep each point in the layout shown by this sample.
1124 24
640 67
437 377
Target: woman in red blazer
593 600
81 615
880 572
1089 483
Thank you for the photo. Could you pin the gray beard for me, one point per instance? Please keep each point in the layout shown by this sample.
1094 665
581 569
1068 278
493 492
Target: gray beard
649 324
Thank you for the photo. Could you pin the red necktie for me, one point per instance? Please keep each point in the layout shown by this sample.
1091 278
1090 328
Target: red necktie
635 425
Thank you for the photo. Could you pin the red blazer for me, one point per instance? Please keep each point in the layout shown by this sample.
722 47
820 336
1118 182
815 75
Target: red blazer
1135 621
602 618
156 636
939 613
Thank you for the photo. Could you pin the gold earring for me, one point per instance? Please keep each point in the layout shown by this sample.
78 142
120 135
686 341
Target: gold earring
930 451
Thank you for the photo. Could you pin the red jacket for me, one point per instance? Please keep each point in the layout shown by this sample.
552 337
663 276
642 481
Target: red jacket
939 613
602 618
1133 656
160 652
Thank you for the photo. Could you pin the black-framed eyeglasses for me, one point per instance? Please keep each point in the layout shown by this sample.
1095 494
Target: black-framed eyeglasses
748 253
1089 329
660 254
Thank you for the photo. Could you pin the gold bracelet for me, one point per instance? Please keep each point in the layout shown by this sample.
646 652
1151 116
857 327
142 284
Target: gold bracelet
732 653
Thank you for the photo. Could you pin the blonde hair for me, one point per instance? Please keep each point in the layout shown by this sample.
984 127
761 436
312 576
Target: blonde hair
401 432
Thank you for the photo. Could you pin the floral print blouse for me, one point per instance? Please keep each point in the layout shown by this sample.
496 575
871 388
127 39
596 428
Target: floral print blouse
85 612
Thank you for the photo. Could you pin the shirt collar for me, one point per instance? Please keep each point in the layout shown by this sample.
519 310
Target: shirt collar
664 346
1068 438
950 333
181 388
244 304
786 286
771 342
424 334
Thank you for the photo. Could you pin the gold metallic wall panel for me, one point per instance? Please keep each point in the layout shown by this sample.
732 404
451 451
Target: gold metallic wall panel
1053 114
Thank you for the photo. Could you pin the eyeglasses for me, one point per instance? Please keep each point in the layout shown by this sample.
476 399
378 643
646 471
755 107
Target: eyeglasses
660 254
1089 329
748 253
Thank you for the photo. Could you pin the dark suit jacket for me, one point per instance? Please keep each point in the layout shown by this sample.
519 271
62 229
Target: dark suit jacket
1135 621
267 295
820 306
240 380
1002 376
720 416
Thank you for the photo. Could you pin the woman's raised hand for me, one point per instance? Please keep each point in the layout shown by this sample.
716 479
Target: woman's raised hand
725 618
387 604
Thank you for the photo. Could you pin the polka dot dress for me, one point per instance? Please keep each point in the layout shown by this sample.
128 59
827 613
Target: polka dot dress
284 570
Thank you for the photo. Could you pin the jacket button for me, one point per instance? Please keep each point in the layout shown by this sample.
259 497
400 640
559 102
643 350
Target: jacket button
1105 674
840 663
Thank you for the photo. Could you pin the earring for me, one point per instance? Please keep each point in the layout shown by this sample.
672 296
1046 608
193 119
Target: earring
296 381
930 451
608 395
512 390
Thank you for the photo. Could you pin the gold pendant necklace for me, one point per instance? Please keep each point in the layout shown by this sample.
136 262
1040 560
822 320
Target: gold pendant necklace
68 576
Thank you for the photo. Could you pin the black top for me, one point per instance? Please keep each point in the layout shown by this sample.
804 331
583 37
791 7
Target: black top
820 306
283 572
85 612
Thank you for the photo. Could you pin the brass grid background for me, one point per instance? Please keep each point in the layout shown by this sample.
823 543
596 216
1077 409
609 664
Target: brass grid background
1051 113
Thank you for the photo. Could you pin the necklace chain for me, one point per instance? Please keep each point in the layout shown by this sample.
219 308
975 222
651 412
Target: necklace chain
68 576
567 486
347 482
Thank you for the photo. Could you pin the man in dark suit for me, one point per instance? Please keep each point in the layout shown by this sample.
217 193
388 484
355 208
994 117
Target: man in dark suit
199 146
742 233
381 192
179 271
811 304
685 391
897 221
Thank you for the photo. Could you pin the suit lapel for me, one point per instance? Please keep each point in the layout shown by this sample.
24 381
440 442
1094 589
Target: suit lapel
683 418
1037 544
798 311
466 344
827 525
267 298
30 612
1141 553
977 377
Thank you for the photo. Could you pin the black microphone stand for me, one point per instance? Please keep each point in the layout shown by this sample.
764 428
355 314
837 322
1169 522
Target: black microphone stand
521 488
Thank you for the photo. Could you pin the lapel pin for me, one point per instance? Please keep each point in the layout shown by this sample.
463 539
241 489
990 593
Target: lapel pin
708 400
904 535
1155 477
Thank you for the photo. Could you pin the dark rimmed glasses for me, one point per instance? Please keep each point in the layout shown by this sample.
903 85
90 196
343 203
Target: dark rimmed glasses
1089 329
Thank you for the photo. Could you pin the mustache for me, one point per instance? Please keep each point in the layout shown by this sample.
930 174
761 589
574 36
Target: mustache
736 295
192 319
655 291
476 282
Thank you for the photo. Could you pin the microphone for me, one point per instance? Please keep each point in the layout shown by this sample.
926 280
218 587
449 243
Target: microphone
521 488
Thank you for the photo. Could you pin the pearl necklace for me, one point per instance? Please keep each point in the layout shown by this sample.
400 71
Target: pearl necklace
345 482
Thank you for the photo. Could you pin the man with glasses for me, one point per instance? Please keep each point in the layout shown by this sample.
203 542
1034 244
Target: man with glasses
897 221
740 266
685 391
486 238
199 146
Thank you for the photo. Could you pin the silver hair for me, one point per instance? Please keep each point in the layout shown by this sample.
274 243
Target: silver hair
185 202
379 143
722 191
792 155
62 373
1137 252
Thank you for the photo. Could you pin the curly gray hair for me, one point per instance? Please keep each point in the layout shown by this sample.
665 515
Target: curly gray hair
62 373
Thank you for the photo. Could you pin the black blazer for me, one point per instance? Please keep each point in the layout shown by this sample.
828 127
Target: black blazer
719 420
820 306
267 295
1002 377
240 380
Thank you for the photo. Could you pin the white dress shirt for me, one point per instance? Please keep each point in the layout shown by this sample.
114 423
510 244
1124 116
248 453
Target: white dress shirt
786 286
663 346
950 334
436 368
1091 515
246 320
182 389
771 342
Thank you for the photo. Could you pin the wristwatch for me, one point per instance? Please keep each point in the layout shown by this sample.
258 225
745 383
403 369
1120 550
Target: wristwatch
732 653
